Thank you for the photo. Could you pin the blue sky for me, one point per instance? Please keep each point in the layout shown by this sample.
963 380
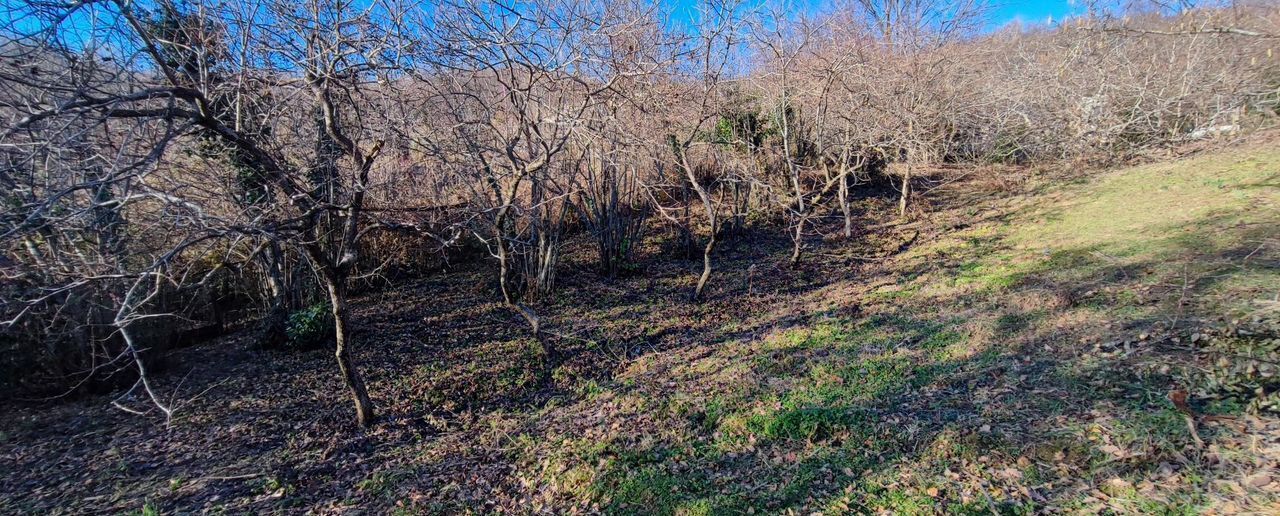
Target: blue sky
1001 12
1032 11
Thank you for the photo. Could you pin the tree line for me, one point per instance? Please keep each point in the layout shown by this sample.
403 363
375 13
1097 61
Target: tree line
157 155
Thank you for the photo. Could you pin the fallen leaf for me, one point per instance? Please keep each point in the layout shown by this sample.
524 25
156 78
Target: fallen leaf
1258 480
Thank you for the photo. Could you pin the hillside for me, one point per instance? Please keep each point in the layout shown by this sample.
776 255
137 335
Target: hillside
1017 349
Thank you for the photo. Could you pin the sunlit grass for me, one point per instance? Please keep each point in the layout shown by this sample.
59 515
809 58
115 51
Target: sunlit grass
932 399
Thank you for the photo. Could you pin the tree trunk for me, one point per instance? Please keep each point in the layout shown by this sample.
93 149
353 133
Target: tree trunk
504 267
359 394
843 190
706 263
504 260
709 205
797 241
271 333
906 192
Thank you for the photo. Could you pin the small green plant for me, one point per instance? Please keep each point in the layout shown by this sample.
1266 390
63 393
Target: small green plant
813 424
274 485
382 483
309 328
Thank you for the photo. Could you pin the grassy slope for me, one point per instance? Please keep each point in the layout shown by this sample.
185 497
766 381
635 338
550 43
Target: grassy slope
1017 363
997 365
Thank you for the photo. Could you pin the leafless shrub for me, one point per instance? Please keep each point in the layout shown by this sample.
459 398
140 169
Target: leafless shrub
154 153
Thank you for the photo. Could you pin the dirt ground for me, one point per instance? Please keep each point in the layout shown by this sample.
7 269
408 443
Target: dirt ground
994 355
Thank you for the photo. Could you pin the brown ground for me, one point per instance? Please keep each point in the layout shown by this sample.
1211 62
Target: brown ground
1019 397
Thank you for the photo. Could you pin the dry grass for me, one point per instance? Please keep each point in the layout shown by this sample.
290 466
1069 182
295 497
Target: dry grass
1017 359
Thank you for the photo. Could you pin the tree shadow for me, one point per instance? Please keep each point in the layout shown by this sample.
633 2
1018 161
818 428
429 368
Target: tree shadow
944 379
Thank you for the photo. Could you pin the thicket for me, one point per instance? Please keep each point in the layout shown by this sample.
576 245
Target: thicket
190 166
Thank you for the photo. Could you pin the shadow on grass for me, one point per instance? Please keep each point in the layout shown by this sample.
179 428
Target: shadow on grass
994 387
967 377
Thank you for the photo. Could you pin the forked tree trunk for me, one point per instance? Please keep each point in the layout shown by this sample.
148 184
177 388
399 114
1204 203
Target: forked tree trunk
509 299
350 376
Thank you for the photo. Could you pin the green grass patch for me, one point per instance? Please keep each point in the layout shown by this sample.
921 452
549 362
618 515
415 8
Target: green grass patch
880 414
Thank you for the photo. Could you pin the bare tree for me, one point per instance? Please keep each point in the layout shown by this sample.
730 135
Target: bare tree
914 38
149 150
710 50
518 88
269 60
783 42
